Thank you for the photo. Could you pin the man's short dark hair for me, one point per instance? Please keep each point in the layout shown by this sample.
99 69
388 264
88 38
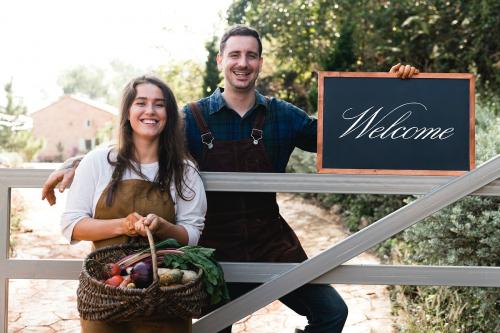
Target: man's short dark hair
239 30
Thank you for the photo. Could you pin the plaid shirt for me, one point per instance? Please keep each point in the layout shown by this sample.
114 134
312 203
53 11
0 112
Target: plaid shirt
285 127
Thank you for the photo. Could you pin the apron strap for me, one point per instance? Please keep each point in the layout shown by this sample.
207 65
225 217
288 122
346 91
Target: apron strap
206 135
257 133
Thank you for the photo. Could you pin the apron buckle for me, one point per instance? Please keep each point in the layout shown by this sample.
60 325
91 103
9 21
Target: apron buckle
209 141
256 135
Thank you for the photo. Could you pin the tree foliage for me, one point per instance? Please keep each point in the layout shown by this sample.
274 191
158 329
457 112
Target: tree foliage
12 139
118 75
211 77
107 84
87 80
99 83
435 35
185 80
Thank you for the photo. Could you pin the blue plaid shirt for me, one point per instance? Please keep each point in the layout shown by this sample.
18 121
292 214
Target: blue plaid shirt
285 127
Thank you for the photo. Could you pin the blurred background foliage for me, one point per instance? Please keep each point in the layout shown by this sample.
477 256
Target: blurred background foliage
303 37
371 35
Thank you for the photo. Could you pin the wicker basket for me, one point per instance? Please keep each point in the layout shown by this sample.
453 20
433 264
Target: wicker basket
98 301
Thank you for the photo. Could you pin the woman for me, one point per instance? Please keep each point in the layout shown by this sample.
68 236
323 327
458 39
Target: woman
147 180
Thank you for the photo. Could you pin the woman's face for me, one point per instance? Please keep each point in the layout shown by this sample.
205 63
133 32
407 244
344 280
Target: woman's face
147 114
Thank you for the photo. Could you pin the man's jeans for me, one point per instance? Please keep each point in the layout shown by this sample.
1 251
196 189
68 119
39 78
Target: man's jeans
324 308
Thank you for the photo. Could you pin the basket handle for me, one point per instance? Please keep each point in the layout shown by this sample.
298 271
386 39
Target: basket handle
152 248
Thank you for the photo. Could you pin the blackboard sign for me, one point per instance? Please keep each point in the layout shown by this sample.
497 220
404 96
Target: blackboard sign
376 123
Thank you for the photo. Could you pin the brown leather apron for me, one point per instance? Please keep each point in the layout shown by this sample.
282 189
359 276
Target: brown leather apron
135 195
244 226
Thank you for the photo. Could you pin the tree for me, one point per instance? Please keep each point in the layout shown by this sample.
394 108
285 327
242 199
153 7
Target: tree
211 78
84 80
342 58
13 139
184 78
434 35
95 82
120 74
299 36
12 108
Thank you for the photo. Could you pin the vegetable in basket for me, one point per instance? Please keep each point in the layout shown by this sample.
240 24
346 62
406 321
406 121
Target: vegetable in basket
114 281
179 267
142 274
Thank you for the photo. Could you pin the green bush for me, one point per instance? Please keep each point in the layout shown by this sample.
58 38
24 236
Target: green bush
357 210
488 132
466 233
446 309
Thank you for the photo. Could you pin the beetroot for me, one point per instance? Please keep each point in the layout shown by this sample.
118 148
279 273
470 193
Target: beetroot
142 274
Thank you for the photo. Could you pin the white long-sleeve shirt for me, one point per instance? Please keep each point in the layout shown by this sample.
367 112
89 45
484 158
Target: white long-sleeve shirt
94 174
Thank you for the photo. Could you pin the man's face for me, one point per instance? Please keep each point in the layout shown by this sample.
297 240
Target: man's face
240 63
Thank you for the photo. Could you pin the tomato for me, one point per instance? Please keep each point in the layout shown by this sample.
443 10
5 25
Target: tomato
114 280
112 270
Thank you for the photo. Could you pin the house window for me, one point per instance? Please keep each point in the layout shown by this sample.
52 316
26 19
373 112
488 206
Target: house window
88 123
88 144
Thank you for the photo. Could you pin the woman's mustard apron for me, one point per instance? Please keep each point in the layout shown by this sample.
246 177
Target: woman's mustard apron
139 196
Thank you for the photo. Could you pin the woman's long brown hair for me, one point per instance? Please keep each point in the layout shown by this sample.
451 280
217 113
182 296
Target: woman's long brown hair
172 154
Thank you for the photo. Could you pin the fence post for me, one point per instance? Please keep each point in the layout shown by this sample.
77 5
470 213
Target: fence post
4 254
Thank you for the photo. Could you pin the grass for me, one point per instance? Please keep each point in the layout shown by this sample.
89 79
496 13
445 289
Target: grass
17 210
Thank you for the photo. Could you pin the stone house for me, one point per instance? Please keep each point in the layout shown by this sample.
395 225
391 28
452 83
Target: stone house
73 125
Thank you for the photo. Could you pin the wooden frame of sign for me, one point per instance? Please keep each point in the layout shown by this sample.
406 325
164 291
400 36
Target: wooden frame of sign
376 123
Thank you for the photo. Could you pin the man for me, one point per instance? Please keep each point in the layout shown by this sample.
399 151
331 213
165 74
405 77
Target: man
237 129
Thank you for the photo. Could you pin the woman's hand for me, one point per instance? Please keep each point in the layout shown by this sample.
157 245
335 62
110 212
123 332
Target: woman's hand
161 228
155 224
128 224
91 229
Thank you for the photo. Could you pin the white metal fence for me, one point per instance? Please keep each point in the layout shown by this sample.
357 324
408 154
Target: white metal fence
279 279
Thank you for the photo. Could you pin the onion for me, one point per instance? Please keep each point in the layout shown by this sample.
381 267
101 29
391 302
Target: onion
142 274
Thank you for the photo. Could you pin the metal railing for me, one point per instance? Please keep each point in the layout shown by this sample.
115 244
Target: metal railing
279 279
